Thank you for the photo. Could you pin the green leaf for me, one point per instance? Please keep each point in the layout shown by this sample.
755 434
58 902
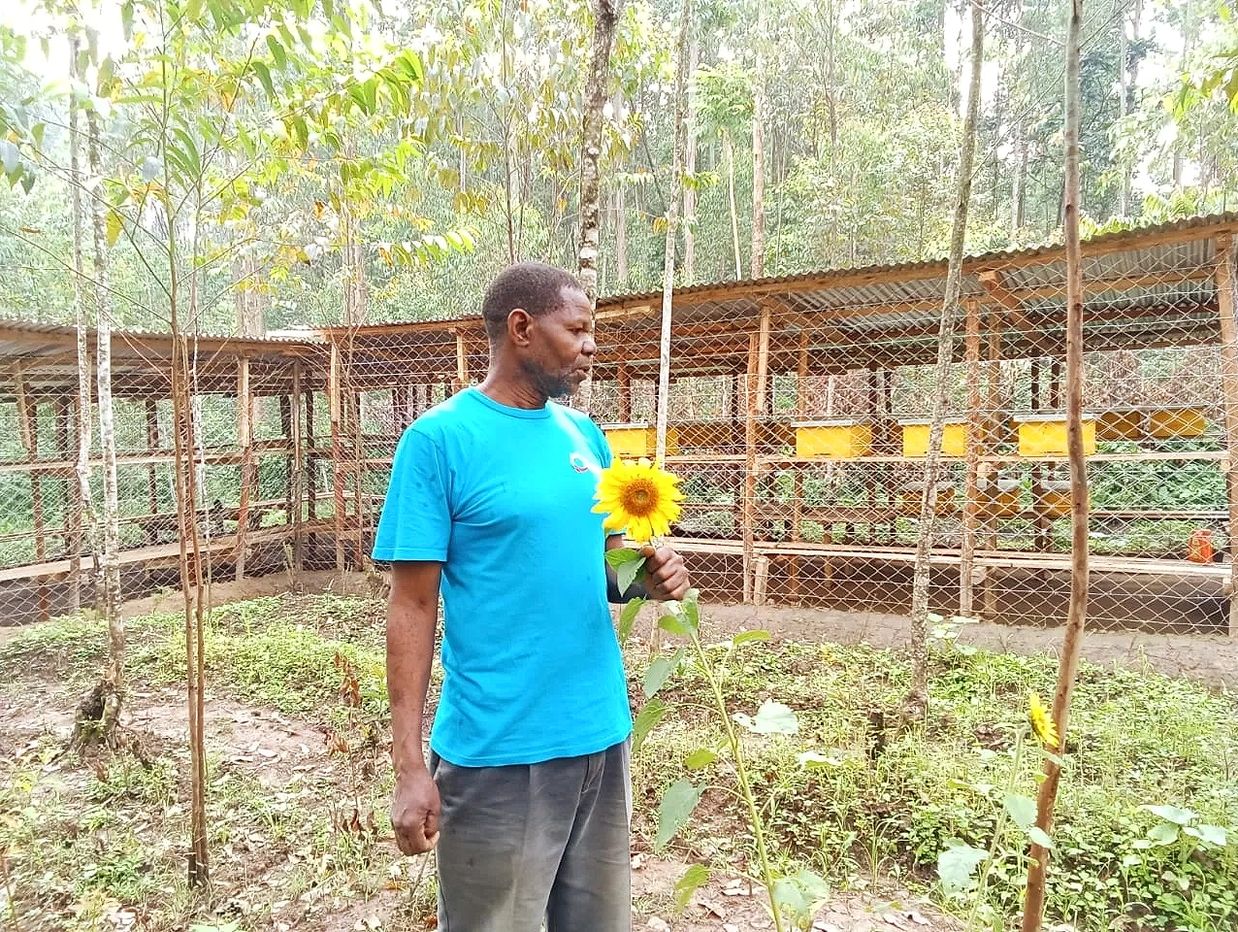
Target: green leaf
749 637
773 718
1021 808
692 608
1213 835
1037 835
659 671
277 52
1164 833
646 720
956 864
193 10
627 619
675 623
700 759
815 760
1171 814
627 565
677 804
264 77
799 895
693 878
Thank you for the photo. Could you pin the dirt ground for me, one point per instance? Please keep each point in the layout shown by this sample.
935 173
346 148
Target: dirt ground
288 756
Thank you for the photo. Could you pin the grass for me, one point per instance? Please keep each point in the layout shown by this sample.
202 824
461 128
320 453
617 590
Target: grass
877 807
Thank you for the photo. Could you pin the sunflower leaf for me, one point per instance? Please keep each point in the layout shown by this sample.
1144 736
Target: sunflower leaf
650 714
659 671
627 619
627 565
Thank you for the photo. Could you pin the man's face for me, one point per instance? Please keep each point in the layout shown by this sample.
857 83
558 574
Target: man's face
561 349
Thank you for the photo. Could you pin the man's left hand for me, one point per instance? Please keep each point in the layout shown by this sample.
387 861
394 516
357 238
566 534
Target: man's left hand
666 577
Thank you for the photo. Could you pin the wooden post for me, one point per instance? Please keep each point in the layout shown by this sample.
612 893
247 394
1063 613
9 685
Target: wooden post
311 479
298 468
245 436
1225 283
1038 396
28 413
797 472
993 423
750 464
974 427
63 433
334 403
76 506
152 447
625 394
462 362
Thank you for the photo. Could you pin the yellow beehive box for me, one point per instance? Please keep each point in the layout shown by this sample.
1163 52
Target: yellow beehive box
1167 423
630 441
998 499
1054 499
908 500
916 438
1120 424
837 438
1045 435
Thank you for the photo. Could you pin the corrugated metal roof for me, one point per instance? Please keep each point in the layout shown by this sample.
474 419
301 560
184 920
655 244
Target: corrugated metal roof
996 258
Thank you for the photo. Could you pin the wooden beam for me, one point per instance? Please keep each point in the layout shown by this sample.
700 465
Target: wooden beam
625 393
1225 284
462 362
763 359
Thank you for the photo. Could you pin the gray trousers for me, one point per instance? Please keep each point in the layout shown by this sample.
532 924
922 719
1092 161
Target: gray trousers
545 843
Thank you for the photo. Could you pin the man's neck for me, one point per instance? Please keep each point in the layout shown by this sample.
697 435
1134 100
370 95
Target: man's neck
509 389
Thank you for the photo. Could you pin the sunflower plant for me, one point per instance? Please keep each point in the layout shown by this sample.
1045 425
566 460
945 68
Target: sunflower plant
642 500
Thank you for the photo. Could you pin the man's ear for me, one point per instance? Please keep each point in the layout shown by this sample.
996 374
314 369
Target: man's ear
519 321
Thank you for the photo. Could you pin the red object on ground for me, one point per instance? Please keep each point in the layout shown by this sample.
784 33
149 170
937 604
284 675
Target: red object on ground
1199 547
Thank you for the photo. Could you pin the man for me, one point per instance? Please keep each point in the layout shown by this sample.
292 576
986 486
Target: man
490 498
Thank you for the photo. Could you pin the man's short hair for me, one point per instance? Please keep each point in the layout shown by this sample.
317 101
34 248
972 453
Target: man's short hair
533 286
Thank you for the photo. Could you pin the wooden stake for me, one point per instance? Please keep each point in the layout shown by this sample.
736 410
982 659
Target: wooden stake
311 479
337 454
750 464
462 363
974 428
152 446
293 513
245 436
1076 614
1225 283
625 394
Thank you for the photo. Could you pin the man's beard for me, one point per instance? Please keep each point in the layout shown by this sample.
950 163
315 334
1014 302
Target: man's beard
551 385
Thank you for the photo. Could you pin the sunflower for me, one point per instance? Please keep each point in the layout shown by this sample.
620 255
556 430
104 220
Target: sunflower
1041 723
639 498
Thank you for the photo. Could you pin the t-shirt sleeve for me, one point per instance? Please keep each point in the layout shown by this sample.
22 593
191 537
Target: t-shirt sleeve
416 519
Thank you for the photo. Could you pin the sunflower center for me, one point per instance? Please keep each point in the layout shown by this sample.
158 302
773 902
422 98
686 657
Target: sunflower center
640 498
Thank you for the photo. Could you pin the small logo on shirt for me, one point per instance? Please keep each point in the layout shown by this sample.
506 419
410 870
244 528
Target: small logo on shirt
578 462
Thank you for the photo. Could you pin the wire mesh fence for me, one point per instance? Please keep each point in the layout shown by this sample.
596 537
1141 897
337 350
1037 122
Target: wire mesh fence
797 420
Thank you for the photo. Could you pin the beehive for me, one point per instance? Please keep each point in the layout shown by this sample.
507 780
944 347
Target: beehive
630 441
916 438
1054 499
1119 425
1168 423
998 499
908 499
1046 435
839 439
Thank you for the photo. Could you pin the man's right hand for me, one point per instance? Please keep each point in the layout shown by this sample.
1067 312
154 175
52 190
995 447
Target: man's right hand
415 811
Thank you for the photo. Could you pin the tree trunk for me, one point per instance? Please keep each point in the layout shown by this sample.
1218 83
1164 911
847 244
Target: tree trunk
108 555
917 699
689 190
605 17
728 151
1018 193
1076 613
82 504
251 304
1124 168
672 226
621 238
758 150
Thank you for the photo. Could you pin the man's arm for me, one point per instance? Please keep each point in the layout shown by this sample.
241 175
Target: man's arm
412 613
665 577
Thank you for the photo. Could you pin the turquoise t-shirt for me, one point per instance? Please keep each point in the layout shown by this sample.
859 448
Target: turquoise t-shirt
503 498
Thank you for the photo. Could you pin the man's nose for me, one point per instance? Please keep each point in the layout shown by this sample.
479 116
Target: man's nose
589 347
